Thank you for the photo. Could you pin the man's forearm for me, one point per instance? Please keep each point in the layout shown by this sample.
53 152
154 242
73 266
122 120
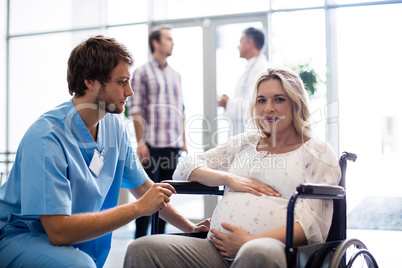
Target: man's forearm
67 230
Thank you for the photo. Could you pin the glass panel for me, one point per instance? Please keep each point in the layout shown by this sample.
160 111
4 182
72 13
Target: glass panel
135 37
126 11
49 15
229 67
369 57
3 30
283 4
174 9
370 62
188 43
130 36
37 78
303 43
340 2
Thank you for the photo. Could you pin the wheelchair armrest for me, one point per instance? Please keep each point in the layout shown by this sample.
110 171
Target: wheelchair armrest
309 190
185 187
320 191
192 187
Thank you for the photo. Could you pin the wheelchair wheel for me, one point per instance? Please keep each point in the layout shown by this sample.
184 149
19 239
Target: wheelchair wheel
352 253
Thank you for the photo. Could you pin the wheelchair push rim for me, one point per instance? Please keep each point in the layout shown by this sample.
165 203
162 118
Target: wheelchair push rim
352 253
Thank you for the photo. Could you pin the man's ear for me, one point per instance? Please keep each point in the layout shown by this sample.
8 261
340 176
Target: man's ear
155 44
250 42
89 83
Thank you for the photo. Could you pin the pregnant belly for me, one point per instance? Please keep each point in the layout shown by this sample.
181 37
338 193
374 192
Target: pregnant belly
254 214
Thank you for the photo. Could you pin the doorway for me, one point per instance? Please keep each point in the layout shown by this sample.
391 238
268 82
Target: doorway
205 54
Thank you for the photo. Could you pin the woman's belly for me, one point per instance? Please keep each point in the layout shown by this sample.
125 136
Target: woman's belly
254 214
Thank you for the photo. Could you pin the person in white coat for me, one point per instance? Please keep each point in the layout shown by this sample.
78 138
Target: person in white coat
251 43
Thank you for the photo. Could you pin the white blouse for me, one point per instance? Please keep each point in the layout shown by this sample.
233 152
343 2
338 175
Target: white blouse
313 162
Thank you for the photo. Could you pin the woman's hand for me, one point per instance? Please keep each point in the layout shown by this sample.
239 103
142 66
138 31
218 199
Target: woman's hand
229 244
202 226
210 177
241 184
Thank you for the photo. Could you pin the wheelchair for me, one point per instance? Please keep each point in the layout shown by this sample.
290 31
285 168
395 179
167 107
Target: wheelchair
337 251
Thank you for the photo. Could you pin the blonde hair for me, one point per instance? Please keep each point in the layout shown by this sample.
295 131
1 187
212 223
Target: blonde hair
294 88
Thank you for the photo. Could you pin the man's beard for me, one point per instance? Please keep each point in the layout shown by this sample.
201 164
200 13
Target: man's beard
104 105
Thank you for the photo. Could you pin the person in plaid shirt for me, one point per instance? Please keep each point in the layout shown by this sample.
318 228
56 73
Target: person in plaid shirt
158 113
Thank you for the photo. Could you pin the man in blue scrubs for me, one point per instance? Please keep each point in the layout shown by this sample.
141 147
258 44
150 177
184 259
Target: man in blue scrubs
59 205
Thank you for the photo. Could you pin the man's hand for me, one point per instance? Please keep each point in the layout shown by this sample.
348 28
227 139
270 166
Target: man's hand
230 243
184 148
143 154
222 101
156 198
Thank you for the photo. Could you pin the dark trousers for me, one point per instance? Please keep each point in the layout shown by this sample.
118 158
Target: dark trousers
160 166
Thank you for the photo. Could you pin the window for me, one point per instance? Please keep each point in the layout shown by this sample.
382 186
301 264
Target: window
303 43
287 4
174 9
126 11
187 59
369 58
135 37
3 83
229 68
47 15
340 2
37 81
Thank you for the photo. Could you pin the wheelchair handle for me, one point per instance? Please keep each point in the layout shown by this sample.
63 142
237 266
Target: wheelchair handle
349 156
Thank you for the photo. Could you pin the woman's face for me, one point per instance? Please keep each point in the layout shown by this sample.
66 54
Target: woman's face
274 108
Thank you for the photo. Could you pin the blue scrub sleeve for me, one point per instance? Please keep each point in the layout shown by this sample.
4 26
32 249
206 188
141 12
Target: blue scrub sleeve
134 174
45 187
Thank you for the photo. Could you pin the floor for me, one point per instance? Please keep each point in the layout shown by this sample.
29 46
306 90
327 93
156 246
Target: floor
120 242
384 245
116 256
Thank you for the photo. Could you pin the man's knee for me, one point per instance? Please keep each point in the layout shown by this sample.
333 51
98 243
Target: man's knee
79 259
25 250
61 257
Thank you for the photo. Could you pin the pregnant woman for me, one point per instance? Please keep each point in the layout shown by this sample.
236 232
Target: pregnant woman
260 169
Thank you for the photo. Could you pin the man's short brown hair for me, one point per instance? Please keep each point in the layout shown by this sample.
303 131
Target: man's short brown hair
94 59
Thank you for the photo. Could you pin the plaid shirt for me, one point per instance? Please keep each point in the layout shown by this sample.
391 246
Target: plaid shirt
158 98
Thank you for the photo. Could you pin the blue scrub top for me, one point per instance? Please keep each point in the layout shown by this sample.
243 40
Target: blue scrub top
51 174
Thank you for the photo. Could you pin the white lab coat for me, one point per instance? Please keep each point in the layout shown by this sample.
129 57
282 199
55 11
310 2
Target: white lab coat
237 106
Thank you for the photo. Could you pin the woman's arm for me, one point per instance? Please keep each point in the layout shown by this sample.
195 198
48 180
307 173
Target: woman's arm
314 215
169 214
212 177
